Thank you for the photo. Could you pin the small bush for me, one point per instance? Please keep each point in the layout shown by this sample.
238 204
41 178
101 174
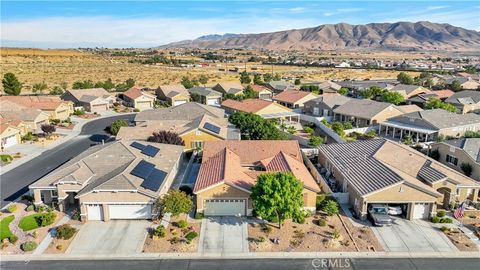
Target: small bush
335 234
160 231
190 236
45 220
12 208
174 240
76 215
28 246
182 224
261 239
330 207
198 215
27 137
13 239
444 229
319 201
266 229
65 232
27 198
446 220
79 112
300 218
322 222
435 219
441 213
30 208
136 110
59 247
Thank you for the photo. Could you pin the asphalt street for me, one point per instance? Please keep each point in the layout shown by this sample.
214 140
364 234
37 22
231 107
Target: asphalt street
15 182
250 264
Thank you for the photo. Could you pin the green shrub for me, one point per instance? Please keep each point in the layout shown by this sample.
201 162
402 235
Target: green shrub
27 198
261 239
13 239
322 222
330 207
182 224
441 213
46 219
300 218
319 201
29 246
12 208
190 236
136 110
30 208
160 231
309 130
266 229
79 112
444 229
273 219
6 158
446 220
27 137
435 219
55 121
198 215
65 231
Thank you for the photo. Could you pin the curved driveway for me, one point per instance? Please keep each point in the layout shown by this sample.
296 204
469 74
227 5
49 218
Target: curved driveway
15 182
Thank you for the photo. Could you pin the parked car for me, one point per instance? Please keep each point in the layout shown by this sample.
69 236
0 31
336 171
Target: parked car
395 210
378 214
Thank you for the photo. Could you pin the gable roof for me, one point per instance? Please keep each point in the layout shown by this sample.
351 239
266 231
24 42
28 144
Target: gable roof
88 95
249 105
204 91
464 97
292 96
330 101
363 108
173 90
280 85
37 102
438 118
12 111
408 108
229 87
185 111
230 162
258 88
135 93
471 146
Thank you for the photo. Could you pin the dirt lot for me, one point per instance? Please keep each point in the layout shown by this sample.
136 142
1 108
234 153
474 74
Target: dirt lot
166 244
56 66
310 236
461 241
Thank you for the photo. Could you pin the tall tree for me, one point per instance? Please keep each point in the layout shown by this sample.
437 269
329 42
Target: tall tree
39 87
116 125
186 82
48 129
11 85
456 86
404 78
257 79
167 137
267 77
203 79
435 103
244 77
249 92
392 97
254 127
277 195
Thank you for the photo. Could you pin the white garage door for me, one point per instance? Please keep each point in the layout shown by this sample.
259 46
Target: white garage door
95 212
213 102
179 102
130 211
9 141
143 105
421 210
224 207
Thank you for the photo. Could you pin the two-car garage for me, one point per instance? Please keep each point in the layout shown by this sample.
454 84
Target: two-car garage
118 211
225 207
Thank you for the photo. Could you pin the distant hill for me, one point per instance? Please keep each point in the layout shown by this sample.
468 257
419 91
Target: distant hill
389 36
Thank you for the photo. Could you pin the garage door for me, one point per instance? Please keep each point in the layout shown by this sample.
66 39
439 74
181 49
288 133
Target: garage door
130 211
213 102
179 102
265 96
95 212
224 207
9 141
421 210
143 105
99 108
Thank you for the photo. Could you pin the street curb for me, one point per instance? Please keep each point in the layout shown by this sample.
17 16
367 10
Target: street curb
250 255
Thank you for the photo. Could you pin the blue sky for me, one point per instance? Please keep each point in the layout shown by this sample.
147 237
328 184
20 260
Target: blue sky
151 23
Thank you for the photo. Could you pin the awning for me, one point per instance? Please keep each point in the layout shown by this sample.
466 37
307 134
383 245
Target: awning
408 127
280 115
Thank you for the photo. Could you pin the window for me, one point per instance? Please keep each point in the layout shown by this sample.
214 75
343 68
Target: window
197 144
452 160
54 194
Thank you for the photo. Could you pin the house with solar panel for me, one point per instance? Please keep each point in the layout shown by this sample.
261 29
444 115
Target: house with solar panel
119 180
385 172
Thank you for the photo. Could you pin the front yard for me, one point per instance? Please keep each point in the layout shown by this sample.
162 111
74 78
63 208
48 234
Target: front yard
179 236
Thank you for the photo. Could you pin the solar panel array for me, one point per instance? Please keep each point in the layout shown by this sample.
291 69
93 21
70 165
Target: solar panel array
150 150
212 128
154 180
143 169
137 145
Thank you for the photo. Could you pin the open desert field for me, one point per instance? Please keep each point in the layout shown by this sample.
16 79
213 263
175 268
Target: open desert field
57 66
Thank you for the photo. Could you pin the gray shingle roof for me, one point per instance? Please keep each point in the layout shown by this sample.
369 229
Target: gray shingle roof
186 111
464 97
362 108
429 174
437 118
405 87
329 100
361 169
204 91
470 145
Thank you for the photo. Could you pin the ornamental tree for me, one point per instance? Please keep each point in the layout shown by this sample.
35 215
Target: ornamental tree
116 125
167 137
277 195
11 85
175 202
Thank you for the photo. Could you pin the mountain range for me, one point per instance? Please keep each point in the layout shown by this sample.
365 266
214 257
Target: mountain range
418 36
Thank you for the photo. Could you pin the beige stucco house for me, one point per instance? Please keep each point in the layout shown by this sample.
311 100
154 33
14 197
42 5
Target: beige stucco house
119 180
386 172
229 169
467 101
31 119
138 99
232 88
174 94
365 112
10 135
91 100
54 106
293 98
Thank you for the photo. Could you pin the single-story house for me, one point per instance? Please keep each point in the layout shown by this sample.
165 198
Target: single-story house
293 98
10 135
360 85
324 105
466 101
262 91
408 91
264 108
54 106
329 87
364 112
229 88
138 99
409 108
174 94
207 96
33 119
91 100
279 86
466 83
456 152
428 125
229 170
387 172
119 180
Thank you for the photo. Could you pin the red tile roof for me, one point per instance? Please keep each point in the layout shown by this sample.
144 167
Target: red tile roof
247 105
230 162
291 96
37 102
443 94
133 93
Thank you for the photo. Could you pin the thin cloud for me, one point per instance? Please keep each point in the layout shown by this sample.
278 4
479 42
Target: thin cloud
297 9
437 7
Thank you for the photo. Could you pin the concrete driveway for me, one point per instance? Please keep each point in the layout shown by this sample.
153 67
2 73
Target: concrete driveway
224 235
413 236
112 237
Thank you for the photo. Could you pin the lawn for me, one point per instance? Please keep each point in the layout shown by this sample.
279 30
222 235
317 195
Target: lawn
4 229
32 222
